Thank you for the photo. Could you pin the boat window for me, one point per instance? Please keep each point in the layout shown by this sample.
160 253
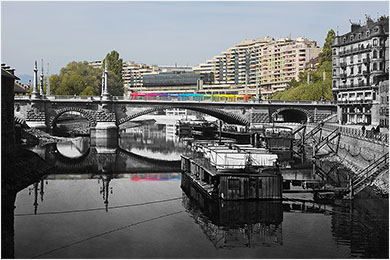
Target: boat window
233 184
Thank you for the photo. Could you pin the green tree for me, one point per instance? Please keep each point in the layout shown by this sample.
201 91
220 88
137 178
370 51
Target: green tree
326 54
115 84
76 78
115 66
89 91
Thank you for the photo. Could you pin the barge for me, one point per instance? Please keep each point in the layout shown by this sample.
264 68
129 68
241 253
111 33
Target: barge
197 129
233 172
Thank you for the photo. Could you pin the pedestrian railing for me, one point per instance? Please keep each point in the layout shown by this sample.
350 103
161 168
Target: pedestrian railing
368 135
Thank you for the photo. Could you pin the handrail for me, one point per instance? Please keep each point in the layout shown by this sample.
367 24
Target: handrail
373 166
329 137
360 179
358 133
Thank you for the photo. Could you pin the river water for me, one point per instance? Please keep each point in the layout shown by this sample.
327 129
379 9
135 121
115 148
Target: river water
131 202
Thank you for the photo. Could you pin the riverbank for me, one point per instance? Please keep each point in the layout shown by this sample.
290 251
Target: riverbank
354 155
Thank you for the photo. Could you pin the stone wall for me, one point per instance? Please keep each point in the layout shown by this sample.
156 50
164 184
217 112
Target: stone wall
357 150
7 112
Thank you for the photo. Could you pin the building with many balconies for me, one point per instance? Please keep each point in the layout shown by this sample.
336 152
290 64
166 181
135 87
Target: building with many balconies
360 65
265 61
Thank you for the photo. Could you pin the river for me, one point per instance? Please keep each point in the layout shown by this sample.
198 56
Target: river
131 202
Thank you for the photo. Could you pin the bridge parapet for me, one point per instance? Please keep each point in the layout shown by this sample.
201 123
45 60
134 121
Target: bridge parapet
118 111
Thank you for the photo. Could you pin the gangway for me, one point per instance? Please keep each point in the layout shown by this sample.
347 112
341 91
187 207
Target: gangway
365 177
326 140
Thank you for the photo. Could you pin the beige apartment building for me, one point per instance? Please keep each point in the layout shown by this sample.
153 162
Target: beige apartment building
270 63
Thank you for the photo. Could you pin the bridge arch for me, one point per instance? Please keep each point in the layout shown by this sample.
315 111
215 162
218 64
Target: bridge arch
83 112
292 114
228 117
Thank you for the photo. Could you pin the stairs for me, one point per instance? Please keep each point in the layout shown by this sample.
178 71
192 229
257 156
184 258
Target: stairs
334 134
365 177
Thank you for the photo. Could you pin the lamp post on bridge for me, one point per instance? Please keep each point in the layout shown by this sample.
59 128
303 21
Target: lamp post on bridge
105 94
42 91
35 94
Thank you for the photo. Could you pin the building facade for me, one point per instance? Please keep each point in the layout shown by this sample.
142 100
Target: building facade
360 65
8 78
384 104
267 62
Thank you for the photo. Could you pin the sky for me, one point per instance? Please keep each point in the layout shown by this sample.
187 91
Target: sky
162 33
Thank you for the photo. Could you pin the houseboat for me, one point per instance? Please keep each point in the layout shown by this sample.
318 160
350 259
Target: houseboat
197 129
233 172
278 139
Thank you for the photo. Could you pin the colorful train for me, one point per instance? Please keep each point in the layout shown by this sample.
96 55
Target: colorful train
192 97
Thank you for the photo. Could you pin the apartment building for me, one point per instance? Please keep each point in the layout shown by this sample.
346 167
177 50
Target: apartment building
133 74
360 66
265 61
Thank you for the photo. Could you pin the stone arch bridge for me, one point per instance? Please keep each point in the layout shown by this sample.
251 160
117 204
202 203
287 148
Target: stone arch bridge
108 115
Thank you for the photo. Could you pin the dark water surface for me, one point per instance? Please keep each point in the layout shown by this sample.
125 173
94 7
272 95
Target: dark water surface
107 212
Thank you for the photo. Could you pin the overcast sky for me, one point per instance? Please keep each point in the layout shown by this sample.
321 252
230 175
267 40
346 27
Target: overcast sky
162 33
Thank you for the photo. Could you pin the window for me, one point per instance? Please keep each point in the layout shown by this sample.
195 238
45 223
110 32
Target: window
351 70
344 39
375 66
359 69
359 36
352 37
368 33
375 54
375 42
233 184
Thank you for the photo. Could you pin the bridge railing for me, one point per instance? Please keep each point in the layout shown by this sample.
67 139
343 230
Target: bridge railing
368 135
296 102
74 97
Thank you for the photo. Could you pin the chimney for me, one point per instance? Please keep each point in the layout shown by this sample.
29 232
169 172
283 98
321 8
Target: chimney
354 27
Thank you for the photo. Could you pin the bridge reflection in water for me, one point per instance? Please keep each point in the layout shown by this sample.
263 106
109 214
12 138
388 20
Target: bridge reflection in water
78 157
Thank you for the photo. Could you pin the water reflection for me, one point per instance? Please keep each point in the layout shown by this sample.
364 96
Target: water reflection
229 224
114 160
287 226
118 201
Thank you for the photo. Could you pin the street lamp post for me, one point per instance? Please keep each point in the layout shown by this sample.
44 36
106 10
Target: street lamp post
322 86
